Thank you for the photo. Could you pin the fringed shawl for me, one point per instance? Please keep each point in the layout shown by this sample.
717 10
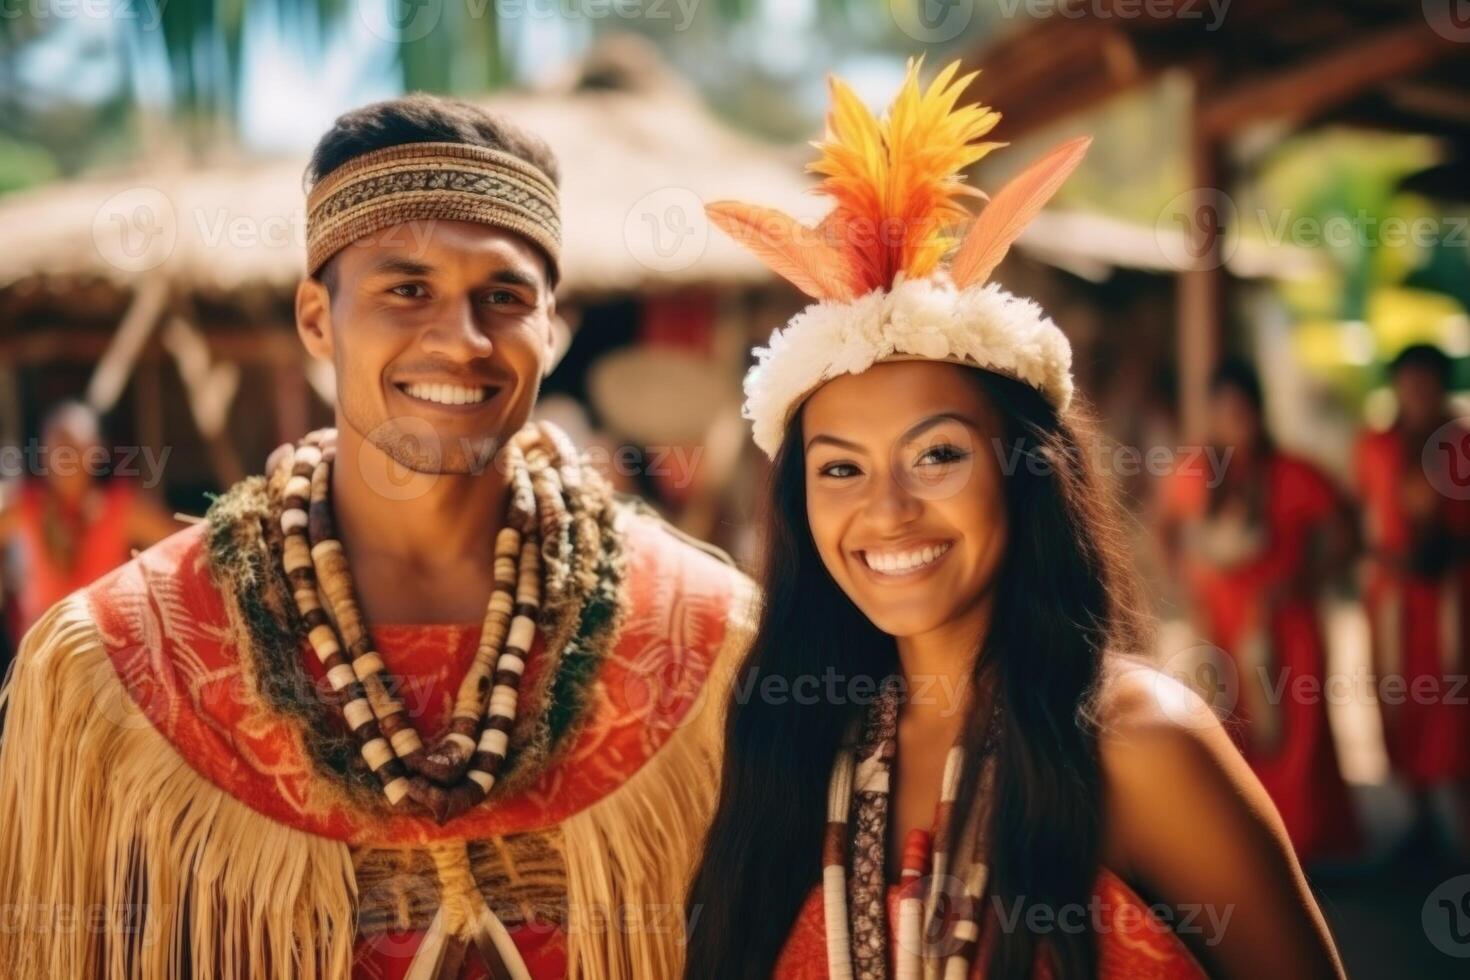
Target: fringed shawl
174 808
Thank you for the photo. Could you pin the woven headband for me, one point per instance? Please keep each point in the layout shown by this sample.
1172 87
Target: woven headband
423 181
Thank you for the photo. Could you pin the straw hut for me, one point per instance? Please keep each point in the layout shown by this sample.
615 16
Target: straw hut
164 294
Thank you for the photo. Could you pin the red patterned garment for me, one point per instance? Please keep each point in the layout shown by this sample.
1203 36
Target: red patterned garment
101 547
1133 943
1241 578
1419 603
213 762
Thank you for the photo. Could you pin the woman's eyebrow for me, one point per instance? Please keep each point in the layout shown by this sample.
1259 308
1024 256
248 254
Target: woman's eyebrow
919 428
833 440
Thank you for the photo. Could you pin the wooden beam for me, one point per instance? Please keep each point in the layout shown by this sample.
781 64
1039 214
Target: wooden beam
1299 93
116 365
1200 294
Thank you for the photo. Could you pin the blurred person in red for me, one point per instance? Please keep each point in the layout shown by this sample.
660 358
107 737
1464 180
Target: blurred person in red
1413 480
65 524
1254 537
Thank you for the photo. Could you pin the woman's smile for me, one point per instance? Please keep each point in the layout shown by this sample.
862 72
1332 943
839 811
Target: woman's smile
903 564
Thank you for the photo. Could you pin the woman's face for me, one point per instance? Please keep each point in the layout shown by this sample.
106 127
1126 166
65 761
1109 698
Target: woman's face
904 491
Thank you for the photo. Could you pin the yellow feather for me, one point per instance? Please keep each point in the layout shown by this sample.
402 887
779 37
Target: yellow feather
897 182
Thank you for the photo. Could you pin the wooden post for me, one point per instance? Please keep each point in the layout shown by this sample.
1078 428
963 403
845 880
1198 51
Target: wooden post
1201 288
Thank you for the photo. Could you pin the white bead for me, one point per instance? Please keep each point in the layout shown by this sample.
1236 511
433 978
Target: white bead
503 701
522 633
494 741
358 713
341 676
406 742
377 753
298 486
512 663
483 778
396 789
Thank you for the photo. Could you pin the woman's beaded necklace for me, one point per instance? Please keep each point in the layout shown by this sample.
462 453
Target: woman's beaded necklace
938 932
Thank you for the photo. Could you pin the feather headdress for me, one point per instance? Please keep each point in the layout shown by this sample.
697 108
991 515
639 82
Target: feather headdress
875 263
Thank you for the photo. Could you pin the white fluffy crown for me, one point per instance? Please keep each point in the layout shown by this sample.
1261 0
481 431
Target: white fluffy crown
928 318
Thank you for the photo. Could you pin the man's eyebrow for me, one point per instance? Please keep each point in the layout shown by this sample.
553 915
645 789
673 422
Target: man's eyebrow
514 277
400 265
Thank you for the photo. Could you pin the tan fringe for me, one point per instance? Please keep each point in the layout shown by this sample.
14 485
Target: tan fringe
629 858
117 860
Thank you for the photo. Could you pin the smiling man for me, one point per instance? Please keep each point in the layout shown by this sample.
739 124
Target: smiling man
425 700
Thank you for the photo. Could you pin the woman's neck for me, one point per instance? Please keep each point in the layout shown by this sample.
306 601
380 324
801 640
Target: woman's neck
937 667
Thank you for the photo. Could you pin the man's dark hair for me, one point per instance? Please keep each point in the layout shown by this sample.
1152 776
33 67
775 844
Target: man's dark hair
422 118
1427 357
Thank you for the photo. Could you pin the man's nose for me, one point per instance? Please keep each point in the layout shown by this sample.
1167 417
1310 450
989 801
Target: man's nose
458 334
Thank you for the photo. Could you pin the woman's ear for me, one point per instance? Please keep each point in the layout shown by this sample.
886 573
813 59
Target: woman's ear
314 317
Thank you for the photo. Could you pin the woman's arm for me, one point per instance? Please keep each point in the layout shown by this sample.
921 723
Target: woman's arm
1189 825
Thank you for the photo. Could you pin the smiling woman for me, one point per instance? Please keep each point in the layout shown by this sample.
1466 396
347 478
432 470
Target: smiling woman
1019 788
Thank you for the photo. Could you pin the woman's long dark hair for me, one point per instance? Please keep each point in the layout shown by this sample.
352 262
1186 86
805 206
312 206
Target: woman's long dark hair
1062 600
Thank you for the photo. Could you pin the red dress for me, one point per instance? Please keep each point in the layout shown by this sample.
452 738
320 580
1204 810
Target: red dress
1132 942
101 548
1240 573
1419 613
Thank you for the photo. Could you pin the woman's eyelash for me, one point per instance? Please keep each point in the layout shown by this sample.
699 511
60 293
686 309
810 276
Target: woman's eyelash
830 467
944 454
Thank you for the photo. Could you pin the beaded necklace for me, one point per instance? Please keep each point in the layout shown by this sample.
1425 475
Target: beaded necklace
459 770
938 933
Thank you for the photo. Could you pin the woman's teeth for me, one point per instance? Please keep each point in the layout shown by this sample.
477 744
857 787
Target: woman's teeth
904 562
445 394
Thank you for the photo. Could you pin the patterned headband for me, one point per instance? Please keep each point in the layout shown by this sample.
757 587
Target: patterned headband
418 181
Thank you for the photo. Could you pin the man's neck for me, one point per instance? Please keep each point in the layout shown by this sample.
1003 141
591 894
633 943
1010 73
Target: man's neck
420 545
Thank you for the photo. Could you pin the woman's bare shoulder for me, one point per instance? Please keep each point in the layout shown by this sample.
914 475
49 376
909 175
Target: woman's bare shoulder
1191 825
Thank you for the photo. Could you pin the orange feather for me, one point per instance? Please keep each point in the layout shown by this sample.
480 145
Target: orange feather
897 181
1011 209
791 249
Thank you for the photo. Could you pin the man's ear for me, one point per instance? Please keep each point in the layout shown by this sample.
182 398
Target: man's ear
314 317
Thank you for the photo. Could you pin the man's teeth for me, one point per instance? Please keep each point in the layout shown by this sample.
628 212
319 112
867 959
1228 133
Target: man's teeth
899 562
446 394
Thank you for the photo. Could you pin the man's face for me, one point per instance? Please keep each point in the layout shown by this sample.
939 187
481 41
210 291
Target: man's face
440 333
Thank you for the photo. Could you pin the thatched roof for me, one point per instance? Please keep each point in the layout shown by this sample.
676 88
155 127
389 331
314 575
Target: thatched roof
639 154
